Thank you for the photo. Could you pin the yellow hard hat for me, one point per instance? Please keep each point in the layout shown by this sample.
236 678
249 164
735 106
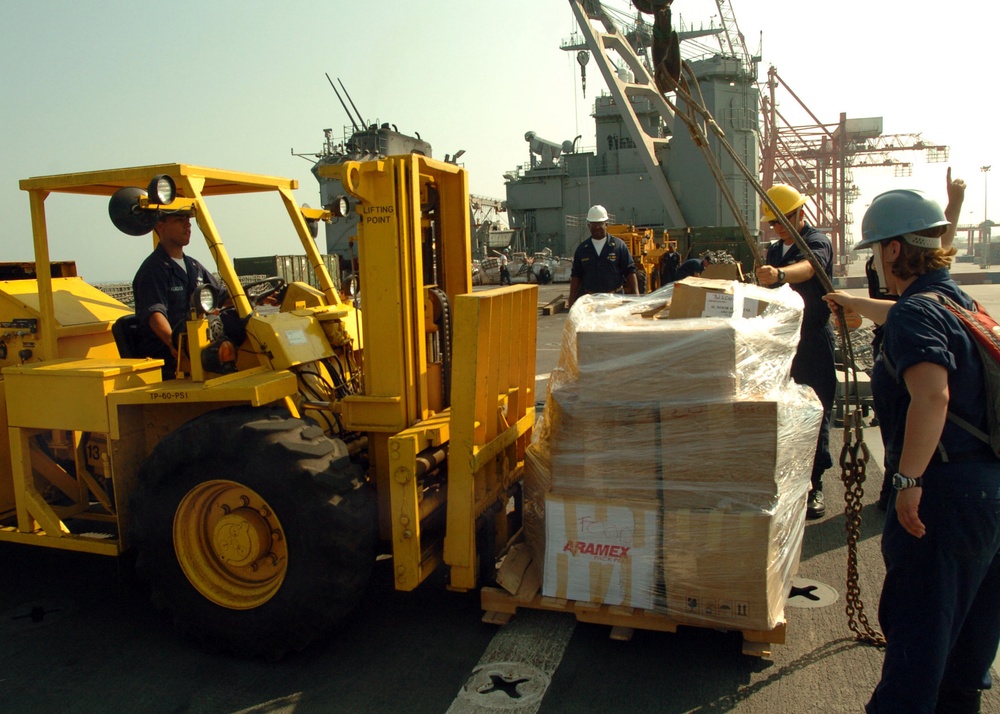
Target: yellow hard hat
786 198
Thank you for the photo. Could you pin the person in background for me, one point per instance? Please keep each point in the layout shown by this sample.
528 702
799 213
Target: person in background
602 264
504 270
813 364
693 266
162 288
669 262
940 604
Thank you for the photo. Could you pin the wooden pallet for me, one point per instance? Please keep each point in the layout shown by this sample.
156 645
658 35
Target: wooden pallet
559 304
500 607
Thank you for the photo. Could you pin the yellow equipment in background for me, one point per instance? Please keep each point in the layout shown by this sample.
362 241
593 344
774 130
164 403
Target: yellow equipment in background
646 251
254 491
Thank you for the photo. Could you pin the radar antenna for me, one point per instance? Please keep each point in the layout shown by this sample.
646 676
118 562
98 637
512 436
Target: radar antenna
346 110
363 122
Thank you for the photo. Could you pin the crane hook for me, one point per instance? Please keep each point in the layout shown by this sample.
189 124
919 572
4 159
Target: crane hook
582 57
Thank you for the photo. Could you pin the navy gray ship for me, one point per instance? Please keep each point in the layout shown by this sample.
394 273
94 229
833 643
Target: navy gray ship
548 196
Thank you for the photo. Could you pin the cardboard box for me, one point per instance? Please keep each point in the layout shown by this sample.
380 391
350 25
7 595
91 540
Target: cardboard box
601 551
703 297
670 361
728 448
723 271
730 568
604 450
511 573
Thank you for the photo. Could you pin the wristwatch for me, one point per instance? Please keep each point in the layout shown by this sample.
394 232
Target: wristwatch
781 276
901 482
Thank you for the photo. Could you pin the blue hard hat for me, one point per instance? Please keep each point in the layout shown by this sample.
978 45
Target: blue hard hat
895 213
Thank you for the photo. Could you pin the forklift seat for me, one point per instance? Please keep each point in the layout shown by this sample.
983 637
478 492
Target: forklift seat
124 332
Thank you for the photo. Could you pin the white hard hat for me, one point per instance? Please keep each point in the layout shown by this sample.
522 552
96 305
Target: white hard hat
597 214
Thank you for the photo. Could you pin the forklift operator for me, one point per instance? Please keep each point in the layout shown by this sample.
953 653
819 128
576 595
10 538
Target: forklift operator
602 264
162 288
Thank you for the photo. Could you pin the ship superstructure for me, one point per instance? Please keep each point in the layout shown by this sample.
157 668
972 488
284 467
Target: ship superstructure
363 141
547 197
377 140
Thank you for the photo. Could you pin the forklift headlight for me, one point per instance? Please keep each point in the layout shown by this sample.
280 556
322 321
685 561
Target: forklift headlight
162 189
340 207
204 299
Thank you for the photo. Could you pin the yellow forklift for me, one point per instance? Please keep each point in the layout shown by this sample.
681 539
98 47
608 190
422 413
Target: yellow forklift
255 486
646 252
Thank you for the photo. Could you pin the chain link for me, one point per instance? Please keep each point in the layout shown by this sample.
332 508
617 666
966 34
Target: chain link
854 458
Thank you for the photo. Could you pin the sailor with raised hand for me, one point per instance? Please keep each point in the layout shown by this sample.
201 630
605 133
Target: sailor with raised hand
940 605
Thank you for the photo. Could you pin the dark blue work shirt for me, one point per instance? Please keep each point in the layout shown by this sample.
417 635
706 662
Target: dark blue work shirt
604 273
689 268
160 285
919 330
669 262
816 313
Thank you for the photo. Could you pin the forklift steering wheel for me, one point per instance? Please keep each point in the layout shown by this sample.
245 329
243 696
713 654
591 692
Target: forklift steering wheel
276 286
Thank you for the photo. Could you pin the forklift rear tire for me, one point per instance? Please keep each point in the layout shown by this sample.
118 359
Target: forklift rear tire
254 530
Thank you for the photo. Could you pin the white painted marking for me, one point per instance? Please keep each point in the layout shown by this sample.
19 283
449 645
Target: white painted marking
284 705
527 650
810 594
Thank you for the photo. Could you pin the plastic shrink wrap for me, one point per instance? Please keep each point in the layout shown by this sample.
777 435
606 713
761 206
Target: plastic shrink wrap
670 468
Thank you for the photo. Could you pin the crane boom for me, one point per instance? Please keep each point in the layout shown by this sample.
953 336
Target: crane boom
640 85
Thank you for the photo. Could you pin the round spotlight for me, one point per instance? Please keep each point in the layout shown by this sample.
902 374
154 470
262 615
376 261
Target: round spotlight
126 214
205 299
340 207
163 189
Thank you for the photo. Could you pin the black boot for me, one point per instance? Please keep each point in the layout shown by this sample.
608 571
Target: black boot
958 701
815 507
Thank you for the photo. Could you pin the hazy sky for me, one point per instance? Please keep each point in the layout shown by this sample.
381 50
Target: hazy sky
238 85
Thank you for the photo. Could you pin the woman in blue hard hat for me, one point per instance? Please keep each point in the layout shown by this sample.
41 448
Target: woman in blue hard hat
940 605
955 190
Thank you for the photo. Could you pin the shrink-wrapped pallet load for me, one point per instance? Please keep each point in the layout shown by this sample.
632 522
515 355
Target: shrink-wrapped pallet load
670 469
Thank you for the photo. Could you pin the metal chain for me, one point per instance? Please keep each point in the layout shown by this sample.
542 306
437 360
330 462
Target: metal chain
854 458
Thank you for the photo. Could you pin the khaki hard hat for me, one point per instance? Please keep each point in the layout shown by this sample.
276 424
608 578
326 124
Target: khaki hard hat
786 198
